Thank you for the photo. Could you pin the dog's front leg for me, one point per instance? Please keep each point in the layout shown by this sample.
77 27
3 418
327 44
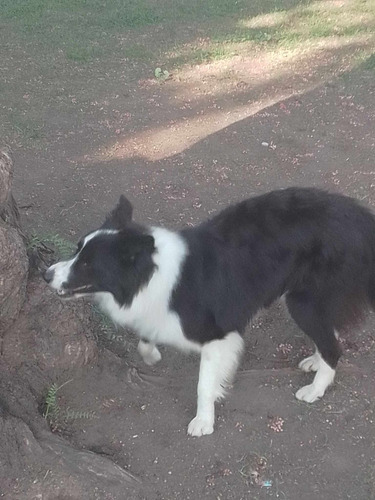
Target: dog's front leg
219 360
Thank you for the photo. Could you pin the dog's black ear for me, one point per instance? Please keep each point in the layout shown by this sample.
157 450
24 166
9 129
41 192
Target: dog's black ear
121 215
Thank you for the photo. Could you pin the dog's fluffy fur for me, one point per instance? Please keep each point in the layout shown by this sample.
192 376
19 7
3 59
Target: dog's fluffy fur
198 288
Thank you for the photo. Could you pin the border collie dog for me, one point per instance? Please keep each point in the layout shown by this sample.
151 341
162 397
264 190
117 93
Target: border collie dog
197 289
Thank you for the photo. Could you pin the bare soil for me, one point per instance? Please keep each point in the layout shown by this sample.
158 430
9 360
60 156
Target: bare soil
181 150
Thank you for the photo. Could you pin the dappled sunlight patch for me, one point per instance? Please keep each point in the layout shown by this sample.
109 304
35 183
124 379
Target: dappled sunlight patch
163 142
271 31
209 98
334 5
221 61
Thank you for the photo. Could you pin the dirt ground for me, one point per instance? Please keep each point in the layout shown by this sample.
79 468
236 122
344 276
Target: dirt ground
181 150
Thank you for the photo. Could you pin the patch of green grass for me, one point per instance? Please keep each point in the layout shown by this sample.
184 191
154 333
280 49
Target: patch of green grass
278 27
363 62
118 14
288 40
241 35
45 40
369 63
82 53
320 30
20 122
138 52
27 129
304 24
214 52
84 30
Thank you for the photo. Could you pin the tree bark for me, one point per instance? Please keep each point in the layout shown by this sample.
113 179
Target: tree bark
13 257
41 339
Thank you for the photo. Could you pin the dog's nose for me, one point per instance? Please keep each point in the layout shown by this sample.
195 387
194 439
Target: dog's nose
48 275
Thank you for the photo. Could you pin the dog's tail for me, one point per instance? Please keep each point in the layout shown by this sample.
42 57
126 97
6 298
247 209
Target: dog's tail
355 300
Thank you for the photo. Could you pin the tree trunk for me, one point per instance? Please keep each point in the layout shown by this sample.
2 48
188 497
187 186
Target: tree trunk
41 339
13 258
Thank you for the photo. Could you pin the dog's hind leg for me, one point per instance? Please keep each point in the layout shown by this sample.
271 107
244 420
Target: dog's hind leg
219 361
149 352
324 377
314 321
312 363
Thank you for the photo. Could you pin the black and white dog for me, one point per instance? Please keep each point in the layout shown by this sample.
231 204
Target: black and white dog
197 289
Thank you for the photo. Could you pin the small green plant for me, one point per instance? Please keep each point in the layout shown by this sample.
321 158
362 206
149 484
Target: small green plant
52 408
53 412
63 247
109 330
71 414
161 74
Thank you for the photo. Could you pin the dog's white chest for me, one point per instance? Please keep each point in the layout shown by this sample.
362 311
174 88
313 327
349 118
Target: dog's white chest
152 321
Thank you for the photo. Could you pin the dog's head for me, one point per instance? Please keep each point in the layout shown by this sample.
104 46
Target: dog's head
117 258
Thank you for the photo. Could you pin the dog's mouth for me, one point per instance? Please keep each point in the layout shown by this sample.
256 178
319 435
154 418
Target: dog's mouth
66 293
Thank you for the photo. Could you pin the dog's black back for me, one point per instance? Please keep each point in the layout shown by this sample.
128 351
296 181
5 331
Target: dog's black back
315 247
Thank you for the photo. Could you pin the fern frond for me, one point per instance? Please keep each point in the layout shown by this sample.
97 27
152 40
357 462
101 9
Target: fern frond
72 414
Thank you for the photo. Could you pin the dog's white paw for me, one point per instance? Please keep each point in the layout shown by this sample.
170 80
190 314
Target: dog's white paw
309 393
310 364
153 357
200 426
149 352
